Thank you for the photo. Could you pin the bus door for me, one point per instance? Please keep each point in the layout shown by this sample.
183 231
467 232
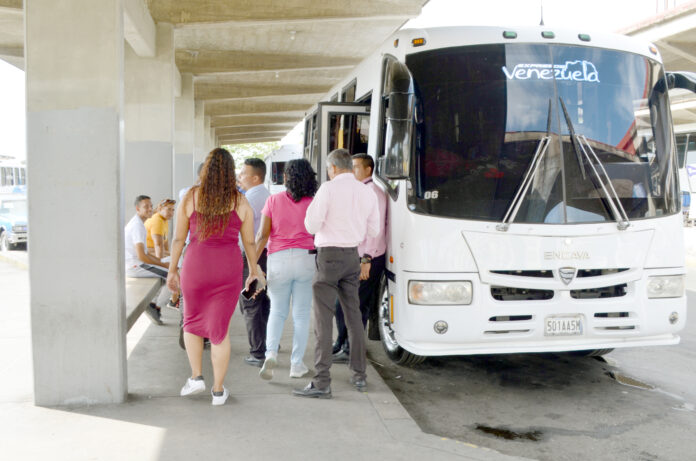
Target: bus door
340 126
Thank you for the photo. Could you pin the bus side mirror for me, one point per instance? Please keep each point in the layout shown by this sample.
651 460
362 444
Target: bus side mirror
683 80
398 139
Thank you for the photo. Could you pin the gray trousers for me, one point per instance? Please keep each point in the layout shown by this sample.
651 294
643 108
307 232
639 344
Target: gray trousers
338 274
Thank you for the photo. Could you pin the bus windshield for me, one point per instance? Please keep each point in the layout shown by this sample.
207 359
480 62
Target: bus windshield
483 110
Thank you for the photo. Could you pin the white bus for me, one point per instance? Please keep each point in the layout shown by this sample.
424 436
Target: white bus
495 148
275 165
13 176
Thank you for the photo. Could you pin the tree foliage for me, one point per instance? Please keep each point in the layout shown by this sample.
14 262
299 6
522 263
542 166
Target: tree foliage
240 152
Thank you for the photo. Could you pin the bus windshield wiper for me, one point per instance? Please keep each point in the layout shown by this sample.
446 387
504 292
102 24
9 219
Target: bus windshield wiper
582 148
524 186
528 176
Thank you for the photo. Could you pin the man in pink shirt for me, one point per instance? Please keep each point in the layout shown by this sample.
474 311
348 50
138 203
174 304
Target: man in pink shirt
343 212
372 263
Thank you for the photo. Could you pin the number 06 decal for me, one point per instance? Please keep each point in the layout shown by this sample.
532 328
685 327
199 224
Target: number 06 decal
431 194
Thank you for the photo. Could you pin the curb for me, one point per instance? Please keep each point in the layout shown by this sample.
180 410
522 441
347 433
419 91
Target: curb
14 261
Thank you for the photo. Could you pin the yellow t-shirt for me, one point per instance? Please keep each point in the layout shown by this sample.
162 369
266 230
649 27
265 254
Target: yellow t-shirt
156 225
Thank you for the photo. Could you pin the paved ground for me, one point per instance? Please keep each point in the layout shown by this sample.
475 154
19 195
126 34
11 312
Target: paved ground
553 407
260 421
559 407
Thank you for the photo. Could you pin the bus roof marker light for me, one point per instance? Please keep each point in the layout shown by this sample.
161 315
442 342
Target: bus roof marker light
548 34
509 34
584 37
418 41
396 43
653 50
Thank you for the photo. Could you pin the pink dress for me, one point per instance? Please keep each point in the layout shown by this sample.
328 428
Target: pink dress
211 280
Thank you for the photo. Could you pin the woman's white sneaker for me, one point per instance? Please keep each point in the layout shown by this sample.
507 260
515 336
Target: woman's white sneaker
220 399
298 371
268 365
193 386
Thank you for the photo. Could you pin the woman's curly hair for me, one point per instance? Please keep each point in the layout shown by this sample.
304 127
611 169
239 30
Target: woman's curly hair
300 179
218 195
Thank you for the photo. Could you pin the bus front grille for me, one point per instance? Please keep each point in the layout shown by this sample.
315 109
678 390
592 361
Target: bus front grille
520 294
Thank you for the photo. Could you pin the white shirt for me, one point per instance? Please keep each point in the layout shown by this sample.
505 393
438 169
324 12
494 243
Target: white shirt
343 213
135 233
257 197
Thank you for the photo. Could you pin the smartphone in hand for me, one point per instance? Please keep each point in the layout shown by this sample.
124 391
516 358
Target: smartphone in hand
248 294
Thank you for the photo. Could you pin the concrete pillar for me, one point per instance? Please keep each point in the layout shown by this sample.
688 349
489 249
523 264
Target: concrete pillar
200 152
74 75
149 120
184 113
209 145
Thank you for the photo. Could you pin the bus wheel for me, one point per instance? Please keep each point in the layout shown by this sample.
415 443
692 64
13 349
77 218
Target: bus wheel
395 352
591 352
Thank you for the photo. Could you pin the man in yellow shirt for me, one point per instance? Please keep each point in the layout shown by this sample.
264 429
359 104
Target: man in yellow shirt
157 228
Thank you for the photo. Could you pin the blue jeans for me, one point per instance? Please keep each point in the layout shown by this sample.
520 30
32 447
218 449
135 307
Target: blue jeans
290 274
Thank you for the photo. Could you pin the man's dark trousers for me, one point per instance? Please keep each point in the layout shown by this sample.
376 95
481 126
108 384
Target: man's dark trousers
367 292
256 314
338 274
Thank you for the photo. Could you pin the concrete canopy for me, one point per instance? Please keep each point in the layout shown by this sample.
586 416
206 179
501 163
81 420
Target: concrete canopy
674 34
254 62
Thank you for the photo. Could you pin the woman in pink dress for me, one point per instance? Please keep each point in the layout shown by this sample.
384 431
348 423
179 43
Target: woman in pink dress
211 277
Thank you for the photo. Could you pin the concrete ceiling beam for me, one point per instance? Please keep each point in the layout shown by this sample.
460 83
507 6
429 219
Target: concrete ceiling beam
139 28
252 129
208 61
212 11
326 77
245 120
259 134
211 91
673 22
14 51
285 126
253 107
673 48
233 142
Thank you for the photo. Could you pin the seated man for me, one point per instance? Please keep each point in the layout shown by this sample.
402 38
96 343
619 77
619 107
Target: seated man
157 228
141 264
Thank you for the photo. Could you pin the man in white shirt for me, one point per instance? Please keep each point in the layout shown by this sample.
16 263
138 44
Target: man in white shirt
141 264
344 211
256 309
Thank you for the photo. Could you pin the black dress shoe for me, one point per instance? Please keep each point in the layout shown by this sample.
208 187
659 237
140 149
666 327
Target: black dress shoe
359 383
253 361
336 348
313 392
340 357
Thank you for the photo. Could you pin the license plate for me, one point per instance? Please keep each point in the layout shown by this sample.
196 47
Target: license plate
563 326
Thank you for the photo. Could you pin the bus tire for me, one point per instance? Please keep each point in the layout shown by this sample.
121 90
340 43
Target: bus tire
591 352
396 353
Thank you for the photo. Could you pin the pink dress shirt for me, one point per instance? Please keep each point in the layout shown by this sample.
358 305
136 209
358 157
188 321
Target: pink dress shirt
344 211
376 246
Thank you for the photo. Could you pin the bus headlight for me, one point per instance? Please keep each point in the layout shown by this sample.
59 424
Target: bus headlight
439 293
671 286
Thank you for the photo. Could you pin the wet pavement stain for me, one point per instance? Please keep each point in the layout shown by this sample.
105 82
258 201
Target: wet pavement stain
507 434
628 381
